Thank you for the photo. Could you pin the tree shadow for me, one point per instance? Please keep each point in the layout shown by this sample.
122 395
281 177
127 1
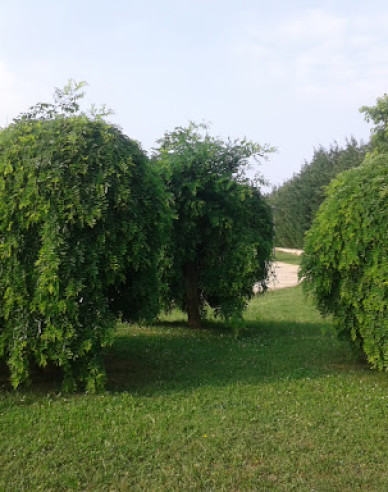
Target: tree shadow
169 357
42 380
214 356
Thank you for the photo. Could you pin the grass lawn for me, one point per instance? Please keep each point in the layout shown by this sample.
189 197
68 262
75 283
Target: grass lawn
281 406
287 257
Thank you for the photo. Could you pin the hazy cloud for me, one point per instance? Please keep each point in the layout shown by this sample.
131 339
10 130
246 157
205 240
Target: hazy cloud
11 102
290 73
321 53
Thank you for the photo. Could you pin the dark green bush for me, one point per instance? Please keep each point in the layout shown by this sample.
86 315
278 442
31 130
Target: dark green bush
81 230
346 257
222 233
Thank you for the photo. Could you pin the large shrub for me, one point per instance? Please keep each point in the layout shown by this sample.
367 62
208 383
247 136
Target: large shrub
81 230
222 233
346 257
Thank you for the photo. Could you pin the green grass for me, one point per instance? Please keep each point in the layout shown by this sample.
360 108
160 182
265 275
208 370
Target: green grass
282 406
287 257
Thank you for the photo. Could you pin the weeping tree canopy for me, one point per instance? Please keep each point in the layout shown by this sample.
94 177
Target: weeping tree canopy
345 262
222 233
82 227
346 251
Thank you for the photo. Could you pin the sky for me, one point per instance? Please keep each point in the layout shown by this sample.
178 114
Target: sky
289 73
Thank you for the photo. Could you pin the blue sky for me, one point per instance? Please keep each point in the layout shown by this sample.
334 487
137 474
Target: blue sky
289 73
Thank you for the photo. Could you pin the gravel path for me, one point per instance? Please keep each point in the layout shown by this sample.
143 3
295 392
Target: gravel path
285 275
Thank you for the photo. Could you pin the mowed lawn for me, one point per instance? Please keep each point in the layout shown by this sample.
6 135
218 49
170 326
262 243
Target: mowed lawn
281 406
287 257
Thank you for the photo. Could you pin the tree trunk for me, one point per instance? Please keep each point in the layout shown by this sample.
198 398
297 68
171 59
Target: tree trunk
192 297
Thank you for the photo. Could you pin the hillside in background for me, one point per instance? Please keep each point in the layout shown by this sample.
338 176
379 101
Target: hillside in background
296 202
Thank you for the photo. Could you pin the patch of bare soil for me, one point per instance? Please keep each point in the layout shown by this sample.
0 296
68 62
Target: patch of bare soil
284 275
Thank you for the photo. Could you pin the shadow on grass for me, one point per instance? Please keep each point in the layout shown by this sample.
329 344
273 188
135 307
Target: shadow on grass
181 359
43 380
169 356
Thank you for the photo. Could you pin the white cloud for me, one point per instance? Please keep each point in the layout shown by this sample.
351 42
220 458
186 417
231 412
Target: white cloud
319 53
313 25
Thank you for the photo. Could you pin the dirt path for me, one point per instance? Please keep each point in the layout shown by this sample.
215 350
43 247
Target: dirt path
285 275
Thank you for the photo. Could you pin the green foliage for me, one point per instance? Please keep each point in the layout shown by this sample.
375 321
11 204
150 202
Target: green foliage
346 257
81 228
66 103
222 235
379 115
296 202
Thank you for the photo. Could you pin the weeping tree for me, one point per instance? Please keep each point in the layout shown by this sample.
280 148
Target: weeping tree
82 219
345 262
222 232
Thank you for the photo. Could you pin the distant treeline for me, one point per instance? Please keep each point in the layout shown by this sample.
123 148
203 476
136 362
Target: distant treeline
296 202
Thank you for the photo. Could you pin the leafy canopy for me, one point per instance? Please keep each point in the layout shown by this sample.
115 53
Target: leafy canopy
379 115
222 234
82 227
66 103
346 251
345 262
